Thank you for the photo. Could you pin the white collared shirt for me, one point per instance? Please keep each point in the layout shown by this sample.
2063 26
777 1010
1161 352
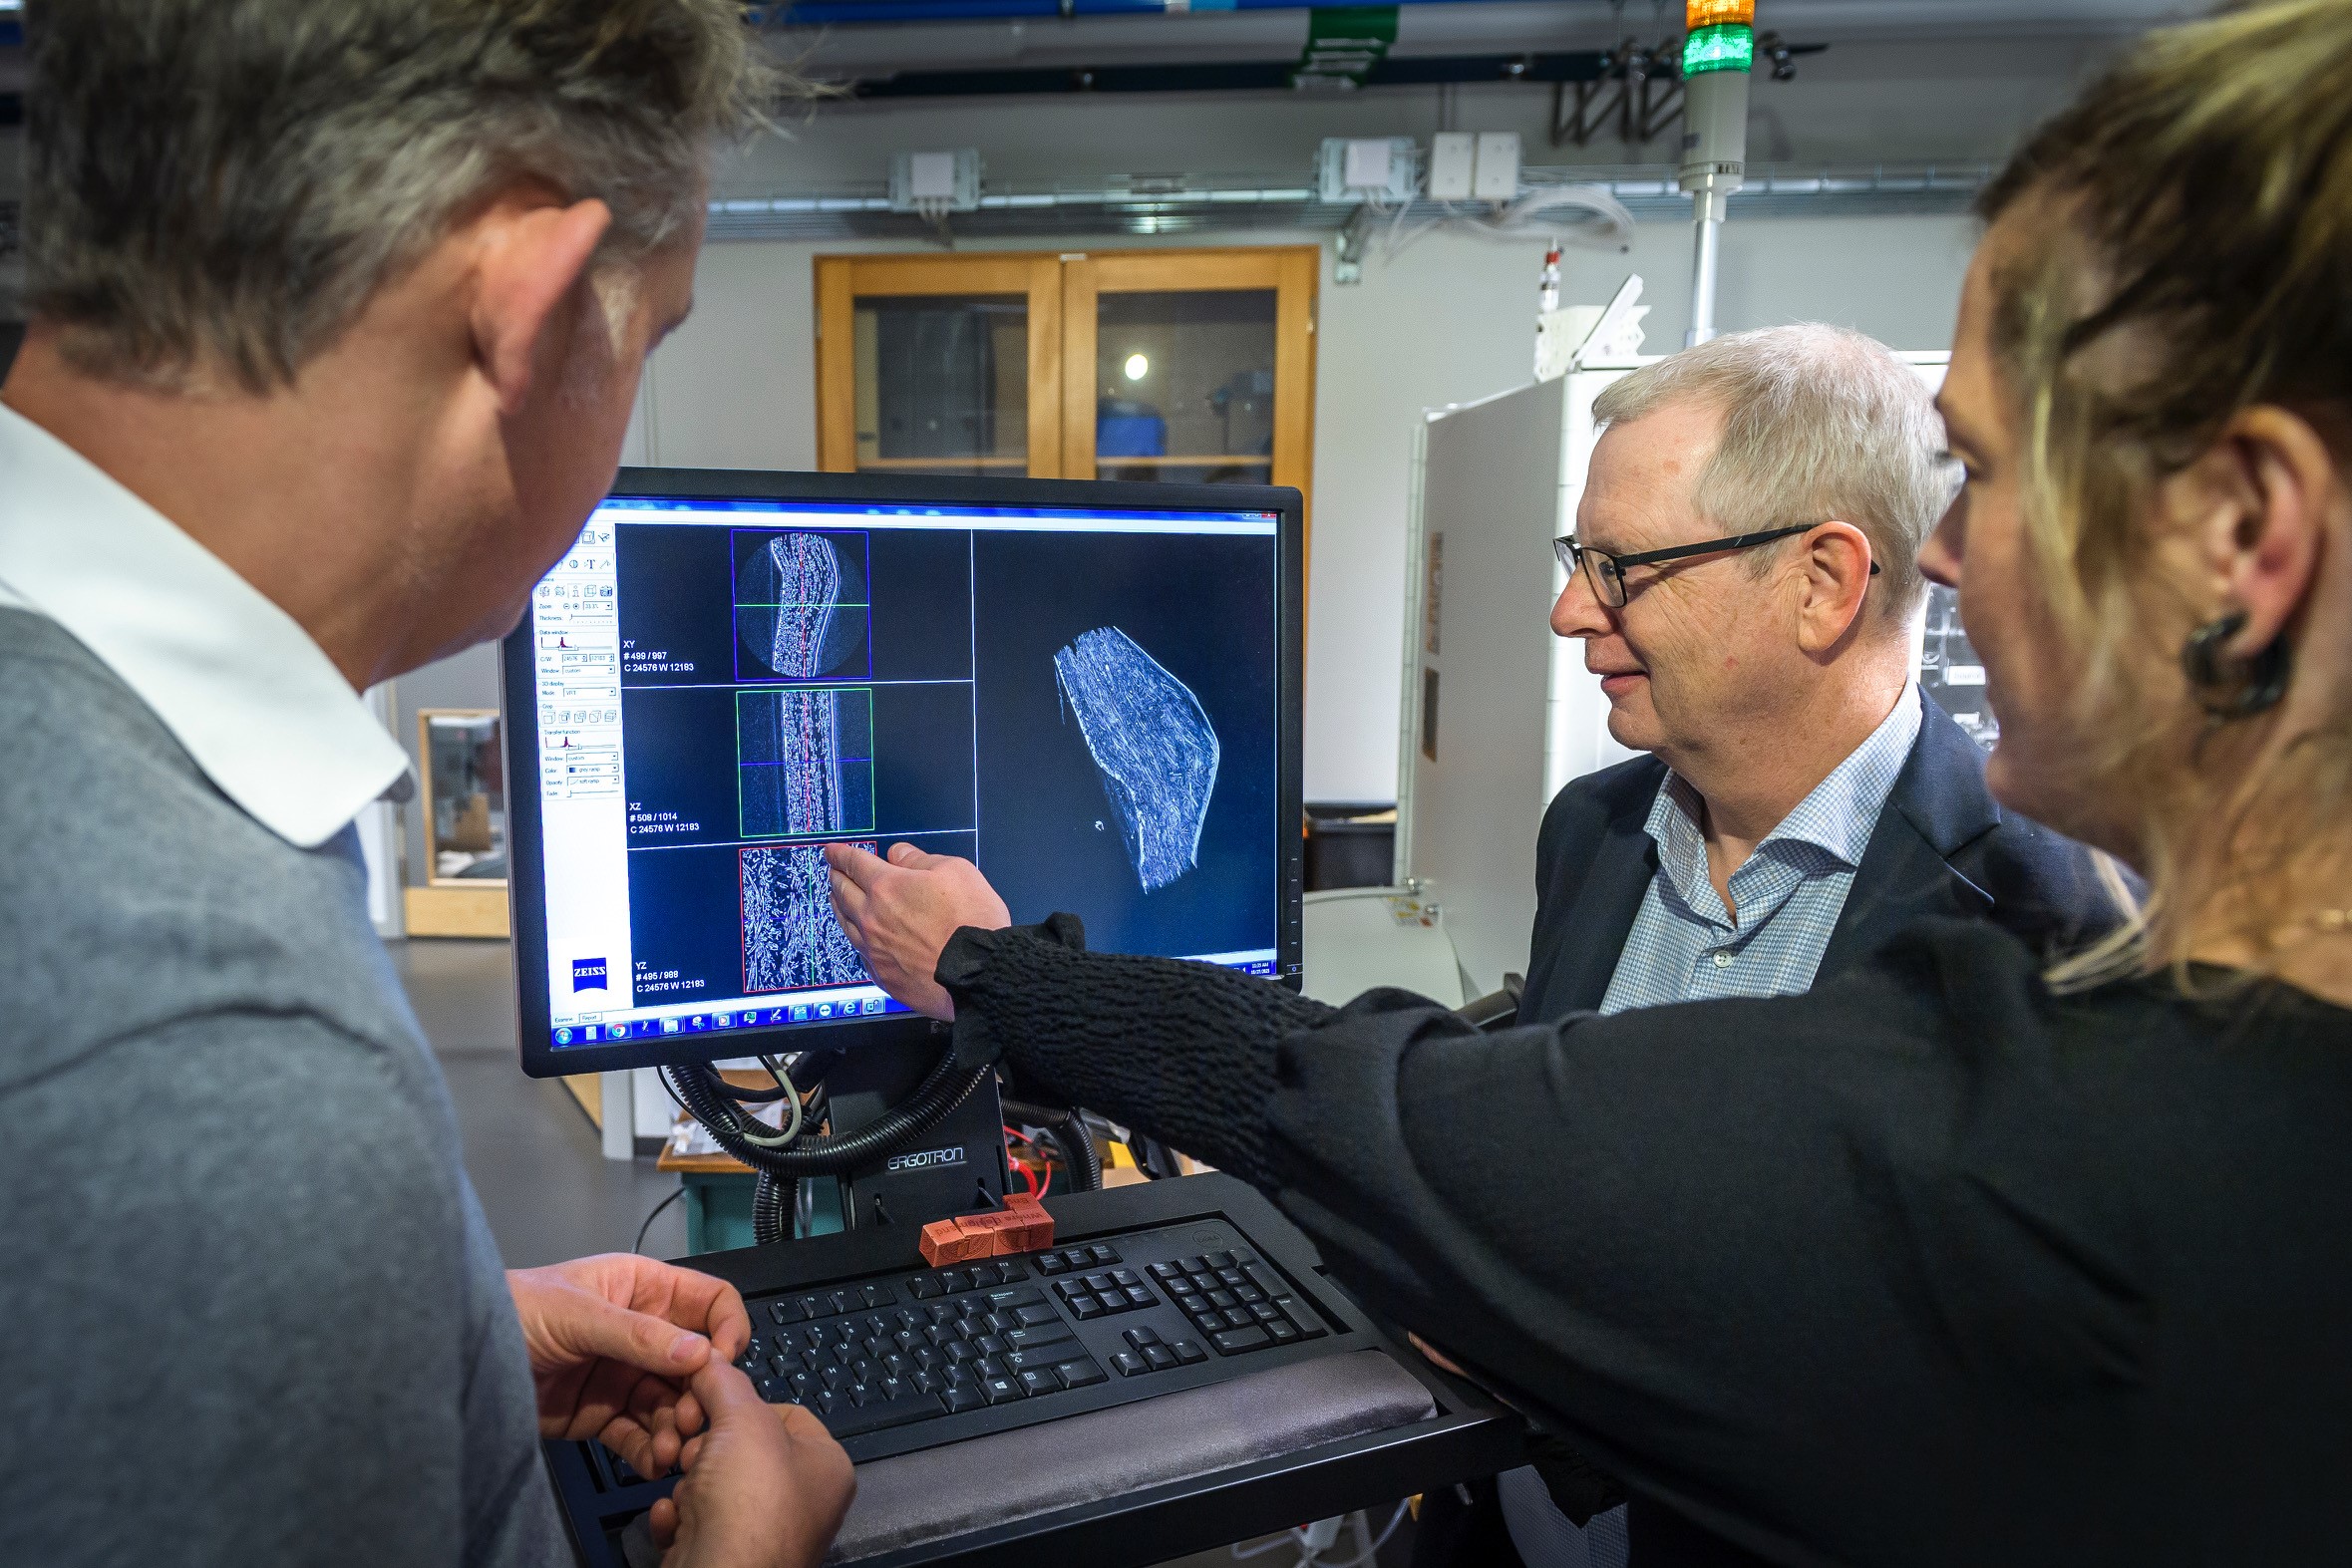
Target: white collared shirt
236 680
1685 945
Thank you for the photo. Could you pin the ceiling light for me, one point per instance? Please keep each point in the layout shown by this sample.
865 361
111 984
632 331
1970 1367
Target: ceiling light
1138 367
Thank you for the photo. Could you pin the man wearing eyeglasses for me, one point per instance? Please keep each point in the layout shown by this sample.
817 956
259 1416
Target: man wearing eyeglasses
1744 580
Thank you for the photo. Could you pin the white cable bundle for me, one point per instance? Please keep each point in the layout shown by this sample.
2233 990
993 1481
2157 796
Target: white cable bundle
1579 214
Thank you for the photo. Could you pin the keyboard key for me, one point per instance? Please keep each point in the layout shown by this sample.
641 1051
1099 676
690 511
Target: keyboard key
879 1295
1140 1296
1041 1380
1193 1265
1128 1363
989 1343
1166 1271
1053 1333
1100 1283
925 1381
1053 1263
1112 1303
1009 1270
1223 1298
1159 1356
1041 1356
1072 1289
1219 1260
1103 1252
1019 1296
1037 1316
1266 1312
1285 1331
1236 1317
1233 1279
923 1287
784 1366
1192 1305
1080 1373
1187 1353
954 1280
1232 1341
1125 1277
1141 1337
786 1311
957 1401
1249 1295
1084 1307
815 1305
1002 1391
846 1301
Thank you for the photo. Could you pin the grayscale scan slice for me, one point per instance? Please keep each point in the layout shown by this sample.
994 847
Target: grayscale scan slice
791 940
1153 744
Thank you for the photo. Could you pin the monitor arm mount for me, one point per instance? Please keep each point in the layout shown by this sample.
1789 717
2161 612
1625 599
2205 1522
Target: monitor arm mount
917 1136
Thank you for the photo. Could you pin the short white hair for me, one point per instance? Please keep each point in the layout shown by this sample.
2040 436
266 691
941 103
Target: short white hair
1820 423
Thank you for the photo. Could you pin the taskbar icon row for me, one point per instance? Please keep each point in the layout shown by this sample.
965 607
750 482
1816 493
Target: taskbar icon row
743 1018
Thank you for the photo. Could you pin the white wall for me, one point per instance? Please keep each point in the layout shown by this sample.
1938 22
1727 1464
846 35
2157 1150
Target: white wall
1447 320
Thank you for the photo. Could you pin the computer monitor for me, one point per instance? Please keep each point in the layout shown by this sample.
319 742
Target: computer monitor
1090 689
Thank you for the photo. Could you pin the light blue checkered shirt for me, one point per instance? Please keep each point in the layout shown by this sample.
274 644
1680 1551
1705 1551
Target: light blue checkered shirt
1686 947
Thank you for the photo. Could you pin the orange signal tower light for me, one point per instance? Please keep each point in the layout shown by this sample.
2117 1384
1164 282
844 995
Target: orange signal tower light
1715 13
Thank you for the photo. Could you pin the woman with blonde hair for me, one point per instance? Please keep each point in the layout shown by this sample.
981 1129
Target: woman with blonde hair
1961 1259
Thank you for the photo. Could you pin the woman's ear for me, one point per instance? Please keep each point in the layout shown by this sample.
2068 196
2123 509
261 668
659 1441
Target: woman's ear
2260 502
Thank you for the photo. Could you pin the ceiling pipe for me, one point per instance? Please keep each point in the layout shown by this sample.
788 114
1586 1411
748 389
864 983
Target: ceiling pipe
833 13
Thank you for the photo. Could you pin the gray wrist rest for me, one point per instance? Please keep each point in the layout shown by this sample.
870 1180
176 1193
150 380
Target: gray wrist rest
987 1482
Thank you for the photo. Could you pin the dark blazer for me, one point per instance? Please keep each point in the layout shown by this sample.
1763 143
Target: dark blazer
1943 846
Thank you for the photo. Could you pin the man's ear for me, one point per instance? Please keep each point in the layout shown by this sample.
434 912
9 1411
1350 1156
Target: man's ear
1837 568
531 259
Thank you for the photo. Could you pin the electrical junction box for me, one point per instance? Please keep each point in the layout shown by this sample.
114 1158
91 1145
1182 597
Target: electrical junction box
1496 173
1379 168
934 182
1453 164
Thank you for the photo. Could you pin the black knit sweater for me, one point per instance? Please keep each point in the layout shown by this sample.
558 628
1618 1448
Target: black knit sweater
1927 1266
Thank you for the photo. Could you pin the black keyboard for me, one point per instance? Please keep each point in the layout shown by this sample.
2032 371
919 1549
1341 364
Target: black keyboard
939 1342
1148 1290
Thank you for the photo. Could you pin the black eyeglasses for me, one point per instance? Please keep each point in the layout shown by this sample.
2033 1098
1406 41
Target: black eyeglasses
1606 572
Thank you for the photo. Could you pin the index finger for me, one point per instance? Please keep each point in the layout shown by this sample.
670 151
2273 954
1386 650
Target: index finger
715 1308
860 866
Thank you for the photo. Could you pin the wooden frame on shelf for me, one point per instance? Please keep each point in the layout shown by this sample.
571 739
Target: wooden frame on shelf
449 905
843 280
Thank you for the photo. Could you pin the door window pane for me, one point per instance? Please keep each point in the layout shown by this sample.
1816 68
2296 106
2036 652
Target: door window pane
943 383
1184 386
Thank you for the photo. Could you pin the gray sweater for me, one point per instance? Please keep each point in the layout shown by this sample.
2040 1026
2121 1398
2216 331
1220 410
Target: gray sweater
251 1310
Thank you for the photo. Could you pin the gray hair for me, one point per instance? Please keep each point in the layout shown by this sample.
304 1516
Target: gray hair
221 186
1820 423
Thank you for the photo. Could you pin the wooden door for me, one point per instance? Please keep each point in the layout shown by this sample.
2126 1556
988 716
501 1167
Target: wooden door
1189 366
939 365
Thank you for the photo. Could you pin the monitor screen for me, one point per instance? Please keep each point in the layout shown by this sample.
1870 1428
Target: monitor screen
1090 690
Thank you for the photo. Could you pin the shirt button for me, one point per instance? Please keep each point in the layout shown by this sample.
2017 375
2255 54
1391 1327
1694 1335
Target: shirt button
1722 959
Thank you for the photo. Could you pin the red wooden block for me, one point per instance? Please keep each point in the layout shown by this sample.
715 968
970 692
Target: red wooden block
944 1241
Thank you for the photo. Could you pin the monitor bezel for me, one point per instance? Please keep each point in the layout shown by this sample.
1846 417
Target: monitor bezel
526 853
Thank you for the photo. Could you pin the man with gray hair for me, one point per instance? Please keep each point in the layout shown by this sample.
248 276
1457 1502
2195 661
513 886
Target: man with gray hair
338 313
1744 577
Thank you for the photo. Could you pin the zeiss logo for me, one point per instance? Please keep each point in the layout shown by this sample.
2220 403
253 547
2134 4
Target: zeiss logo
928 1159
587 974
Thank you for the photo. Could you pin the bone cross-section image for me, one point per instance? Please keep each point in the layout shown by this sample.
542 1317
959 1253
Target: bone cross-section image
800 603
791 940
1153 744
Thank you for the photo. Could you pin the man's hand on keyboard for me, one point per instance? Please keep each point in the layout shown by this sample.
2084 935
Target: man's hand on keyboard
766 1485
614 1342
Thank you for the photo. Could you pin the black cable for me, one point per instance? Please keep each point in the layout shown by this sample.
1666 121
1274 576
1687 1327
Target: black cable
773 1200
937 1096
1067 1128
639 1244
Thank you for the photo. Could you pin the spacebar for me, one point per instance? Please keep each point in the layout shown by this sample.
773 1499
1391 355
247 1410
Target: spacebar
853 1422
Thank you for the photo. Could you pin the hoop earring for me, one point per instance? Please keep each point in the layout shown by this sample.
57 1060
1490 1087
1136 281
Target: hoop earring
2231 689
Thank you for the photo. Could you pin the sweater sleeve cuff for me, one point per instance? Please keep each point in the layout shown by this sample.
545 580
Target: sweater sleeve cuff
969 951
